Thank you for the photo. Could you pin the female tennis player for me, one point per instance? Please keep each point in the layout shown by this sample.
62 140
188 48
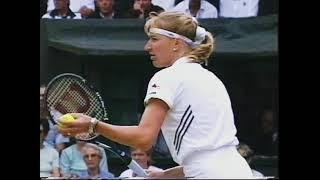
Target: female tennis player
187 102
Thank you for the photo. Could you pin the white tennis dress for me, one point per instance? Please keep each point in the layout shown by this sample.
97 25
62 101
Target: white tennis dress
199 127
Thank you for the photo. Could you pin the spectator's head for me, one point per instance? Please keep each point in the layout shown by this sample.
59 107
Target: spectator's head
143 158
92 156
178 34
245 151
267 121
144 4
44 129
106 6
61 4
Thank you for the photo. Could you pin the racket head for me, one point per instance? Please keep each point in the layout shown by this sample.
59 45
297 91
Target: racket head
71 93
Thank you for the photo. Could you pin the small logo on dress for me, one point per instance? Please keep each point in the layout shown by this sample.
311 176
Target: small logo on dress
155 86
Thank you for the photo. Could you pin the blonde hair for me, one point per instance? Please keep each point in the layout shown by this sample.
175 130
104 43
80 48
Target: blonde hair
185 25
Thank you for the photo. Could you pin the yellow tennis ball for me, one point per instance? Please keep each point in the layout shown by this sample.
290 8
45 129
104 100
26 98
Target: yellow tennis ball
66 118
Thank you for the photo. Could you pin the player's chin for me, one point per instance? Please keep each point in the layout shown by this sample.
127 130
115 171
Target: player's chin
156 64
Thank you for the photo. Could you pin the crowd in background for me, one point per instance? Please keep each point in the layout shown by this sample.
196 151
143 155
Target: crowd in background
113 9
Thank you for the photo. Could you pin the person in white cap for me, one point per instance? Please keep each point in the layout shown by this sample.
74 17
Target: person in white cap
187 102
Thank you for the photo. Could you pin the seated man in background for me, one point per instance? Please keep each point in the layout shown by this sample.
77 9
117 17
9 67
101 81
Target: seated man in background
199 9
62 11
105 10
49 157
144 159
92 155
82 7
72 163
142 8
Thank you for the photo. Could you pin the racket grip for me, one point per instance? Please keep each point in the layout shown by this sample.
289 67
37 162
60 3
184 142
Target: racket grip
136 168
131 163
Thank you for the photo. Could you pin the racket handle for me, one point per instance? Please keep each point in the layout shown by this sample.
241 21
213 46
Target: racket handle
131 163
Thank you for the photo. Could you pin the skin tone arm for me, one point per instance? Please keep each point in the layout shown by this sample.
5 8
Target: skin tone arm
171 172
142 136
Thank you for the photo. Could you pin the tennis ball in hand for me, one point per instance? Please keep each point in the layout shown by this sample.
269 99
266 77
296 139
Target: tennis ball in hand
66 118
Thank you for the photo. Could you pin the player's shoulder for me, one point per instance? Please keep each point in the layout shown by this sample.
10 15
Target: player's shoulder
165 72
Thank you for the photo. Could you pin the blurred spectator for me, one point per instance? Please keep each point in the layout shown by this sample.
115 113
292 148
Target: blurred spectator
56 140
144 159
238 8
122 6
43 7
62 11
105 9
197 8
72 163
83 7
49 157
267 139
247 153
142 8
92 156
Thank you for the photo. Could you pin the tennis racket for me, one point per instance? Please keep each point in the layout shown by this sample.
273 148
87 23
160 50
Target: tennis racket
71 93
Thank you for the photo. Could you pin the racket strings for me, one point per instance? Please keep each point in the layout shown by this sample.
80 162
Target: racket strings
72 95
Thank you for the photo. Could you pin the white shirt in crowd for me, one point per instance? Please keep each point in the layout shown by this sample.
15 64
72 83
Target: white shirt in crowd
47 16
129 173
75 5
238 8
49 159
206 10
165 4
